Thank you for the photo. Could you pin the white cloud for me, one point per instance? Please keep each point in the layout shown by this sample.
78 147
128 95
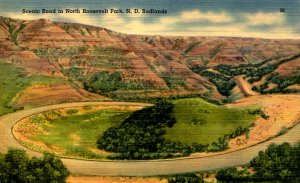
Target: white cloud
240 30
78 17
169 20
111 20
197 15
139 27
264 18
135 25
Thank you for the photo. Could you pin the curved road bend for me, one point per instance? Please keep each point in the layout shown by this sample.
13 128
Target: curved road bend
138 168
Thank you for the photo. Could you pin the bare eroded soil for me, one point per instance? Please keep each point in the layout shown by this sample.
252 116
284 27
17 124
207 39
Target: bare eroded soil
283 112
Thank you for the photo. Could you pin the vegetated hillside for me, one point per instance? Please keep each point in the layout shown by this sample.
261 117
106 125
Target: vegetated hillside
19 88
137 67
13 80
177 128
199 121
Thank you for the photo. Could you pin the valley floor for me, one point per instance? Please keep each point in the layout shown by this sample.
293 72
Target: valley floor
280 108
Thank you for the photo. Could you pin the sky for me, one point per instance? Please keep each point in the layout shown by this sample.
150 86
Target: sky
233 18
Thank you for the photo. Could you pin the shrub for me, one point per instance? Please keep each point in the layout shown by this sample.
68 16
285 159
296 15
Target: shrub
87 108
282 131
72 111
233 175
186 178
174 81
105 81
66 27
263 115
37 119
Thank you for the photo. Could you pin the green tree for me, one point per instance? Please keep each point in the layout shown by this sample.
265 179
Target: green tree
4 169
17 167
278 161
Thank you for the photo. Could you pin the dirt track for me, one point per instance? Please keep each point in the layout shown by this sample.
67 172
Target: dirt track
138 168
245 86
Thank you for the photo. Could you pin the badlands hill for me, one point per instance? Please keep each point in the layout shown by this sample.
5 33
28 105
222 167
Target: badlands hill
136 67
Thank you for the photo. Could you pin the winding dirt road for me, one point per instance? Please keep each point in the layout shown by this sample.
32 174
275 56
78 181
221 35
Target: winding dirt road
137 168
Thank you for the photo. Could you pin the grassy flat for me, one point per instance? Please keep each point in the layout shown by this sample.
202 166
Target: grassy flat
201 122
76 135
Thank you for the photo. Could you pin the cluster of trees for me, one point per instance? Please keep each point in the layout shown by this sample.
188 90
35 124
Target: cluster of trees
223 83
234 70
104 81
140 134
284 82
198 68
16 166
250 69
260 112
254 79
233 175
185 150
278 162
175 81
281 82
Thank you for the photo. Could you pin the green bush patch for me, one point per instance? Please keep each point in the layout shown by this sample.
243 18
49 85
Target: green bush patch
72 111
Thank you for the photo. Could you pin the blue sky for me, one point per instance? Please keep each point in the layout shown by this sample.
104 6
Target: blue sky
251 18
